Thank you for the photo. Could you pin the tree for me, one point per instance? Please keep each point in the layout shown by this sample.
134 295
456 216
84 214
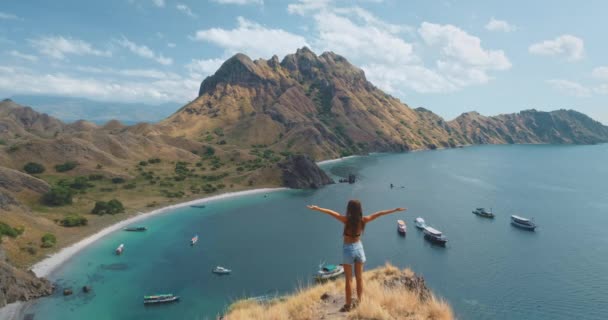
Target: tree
111 207
33 168
73 220
48 240
118 180
67 166
58 196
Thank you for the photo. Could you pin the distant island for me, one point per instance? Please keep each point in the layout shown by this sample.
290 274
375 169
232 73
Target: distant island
255 124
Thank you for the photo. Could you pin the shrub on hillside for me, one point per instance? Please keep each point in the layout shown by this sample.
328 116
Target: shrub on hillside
73 220
48 240
6 230
58 196
67 166
111 207
118 180
33 168
95 177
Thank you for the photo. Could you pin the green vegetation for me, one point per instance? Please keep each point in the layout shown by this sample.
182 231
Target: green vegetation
58 196
12 148
6 230
95 177
153 160
48 240
33 168
118 180
79 183
67 166
73 220
2 142
111 207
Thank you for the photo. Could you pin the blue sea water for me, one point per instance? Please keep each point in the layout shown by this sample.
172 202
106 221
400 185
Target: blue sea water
488 270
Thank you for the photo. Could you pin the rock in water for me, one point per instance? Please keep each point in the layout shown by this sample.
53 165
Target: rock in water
87 289
301 172
67 291
19 285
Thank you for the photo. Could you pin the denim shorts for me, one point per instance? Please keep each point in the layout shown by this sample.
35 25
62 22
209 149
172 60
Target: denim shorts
353 252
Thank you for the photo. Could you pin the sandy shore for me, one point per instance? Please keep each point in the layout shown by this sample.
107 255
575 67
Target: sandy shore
45 267
335 160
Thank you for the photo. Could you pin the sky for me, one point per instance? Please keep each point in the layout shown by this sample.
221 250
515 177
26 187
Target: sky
444 55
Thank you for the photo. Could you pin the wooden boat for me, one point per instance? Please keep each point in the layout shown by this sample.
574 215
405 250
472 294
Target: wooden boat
420 223
160 298
221 270
136 229
483 212
329 271
194 240
523 223
120 249
401 227
435 236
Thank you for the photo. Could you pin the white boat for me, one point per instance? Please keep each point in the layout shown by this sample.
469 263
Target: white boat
523 223
221 270
120 248
401 227
434 235
420 223
194 240
329 271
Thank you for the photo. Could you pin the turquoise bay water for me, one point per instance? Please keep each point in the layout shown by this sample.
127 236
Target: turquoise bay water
273 244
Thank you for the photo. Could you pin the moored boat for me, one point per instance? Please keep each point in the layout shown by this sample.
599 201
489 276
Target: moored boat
120 249
329 271
401 227
160 298
523 223
221 270
483 212
420 223
194 240
435 236
136 229
200 206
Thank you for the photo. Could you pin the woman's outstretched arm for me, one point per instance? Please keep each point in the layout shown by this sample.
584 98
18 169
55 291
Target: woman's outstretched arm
332 213
379 214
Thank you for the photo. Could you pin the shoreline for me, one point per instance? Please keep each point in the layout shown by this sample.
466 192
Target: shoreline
49 264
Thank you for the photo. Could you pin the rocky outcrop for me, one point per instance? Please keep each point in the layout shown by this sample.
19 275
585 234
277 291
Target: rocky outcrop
301 172
13 181
18 285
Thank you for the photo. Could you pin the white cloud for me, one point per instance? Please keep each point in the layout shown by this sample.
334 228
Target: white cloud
252 39
19 81
159 3
144 52
456 44
28 57
570 87
133 73
568 45
58 47
186 10
601 89
303 7
239 2
171 45
500 25
8 16
600 73
200 68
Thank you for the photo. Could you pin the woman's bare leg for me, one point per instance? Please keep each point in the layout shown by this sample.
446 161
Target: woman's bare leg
359 277
348 276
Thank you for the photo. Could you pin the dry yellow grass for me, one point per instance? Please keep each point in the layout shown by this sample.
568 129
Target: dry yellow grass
380 301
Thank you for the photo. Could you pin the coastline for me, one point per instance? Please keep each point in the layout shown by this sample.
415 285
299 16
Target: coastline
49 264
320 163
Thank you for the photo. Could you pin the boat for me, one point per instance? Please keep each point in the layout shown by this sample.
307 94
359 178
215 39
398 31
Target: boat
435 236
329 271
120 248
483 212
401 227
420 223
221 270
523 223
194 240
200 206
160 298
136 229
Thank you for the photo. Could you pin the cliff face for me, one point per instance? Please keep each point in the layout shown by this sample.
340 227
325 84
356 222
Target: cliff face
324 107
19 285
301 172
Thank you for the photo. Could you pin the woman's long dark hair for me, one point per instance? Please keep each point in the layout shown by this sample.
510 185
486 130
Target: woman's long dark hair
354 216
